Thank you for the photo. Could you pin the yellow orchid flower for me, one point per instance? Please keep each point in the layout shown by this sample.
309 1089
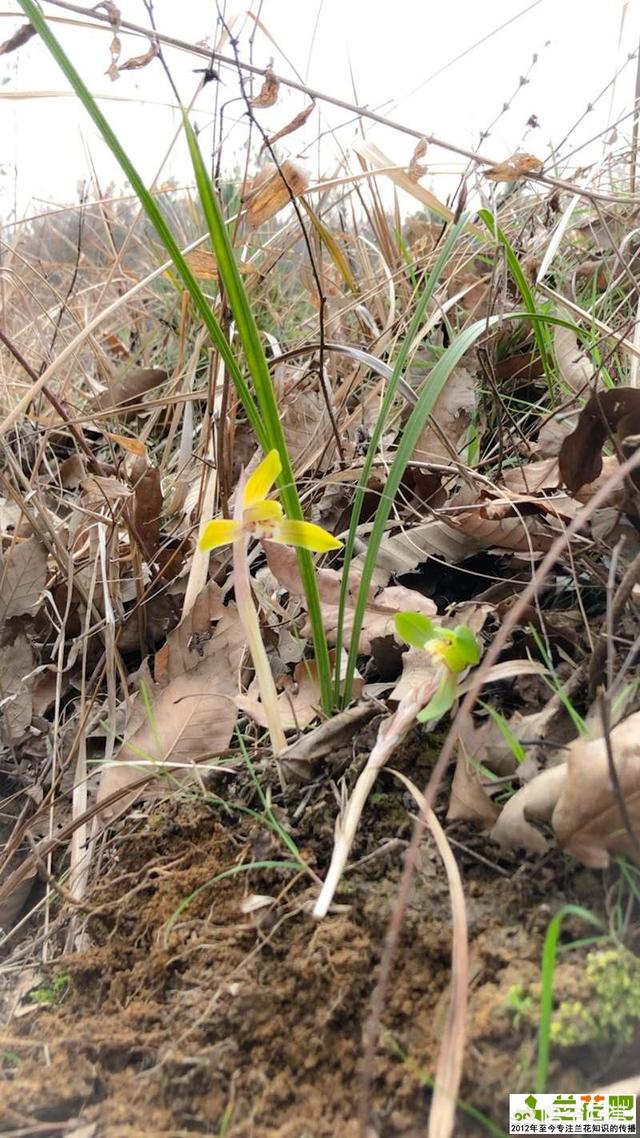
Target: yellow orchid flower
262 517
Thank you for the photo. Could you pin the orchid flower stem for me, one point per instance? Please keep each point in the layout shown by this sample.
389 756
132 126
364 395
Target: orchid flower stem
390 735
249 618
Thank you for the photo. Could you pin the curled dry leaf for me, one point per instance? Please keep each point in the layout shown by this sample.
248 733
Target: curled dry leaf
301 759
204 266
606 413
12 904
417 170
517 166
295 124
536 801
271 190
469 801
129 444
268 94
146 509
574 364
21 36
298 703
580 800
587 819
138 61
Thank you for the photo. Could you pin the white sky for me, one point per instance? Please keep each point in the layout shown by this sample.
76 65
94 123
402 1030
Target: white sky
370 51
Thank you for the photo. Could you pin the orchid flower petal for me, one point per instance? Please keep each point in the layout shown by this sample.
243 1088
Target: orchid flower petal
306 535
442 700
267 510
262 479
415 628
463 650
221 531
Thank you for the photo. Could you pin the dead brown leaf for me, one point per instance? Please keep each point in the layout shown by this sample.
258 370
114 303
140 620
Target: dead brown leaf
271 190
131 445
469 801
517 166
21 36
129 388
518 533
23 575
16 662
536 801
295 124
138 61
192 710
268 93
381 607
607 413
532 477
417 170
448 426
14 900
299 702
574 365
203 265
587 819
579 799
146 509
300 760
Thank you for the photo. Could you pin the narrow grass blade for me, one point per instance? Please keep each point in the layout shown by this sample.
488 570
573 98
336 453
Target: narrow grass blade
269 410
263 415
522 284
390 394
549 953
406 446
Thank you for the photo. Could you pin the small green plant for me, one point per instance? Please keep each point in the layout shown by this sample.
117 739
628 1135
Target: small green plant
521 1004
52 993
609 1012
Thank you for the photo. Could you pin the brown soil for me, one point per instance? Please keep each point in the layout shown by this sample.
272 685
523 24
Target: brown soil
211 1020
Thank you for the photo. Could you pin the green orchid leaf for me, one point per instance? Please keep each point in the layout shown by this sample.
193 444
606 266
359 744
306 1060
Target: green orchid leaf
415 629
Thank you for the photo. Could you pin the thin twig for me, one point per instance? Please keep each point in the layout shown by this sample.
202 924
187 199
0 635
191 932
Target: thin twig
322 96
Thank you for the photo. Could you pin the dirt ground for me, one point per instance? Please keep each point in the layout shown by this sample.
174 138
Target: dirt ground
214 1016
